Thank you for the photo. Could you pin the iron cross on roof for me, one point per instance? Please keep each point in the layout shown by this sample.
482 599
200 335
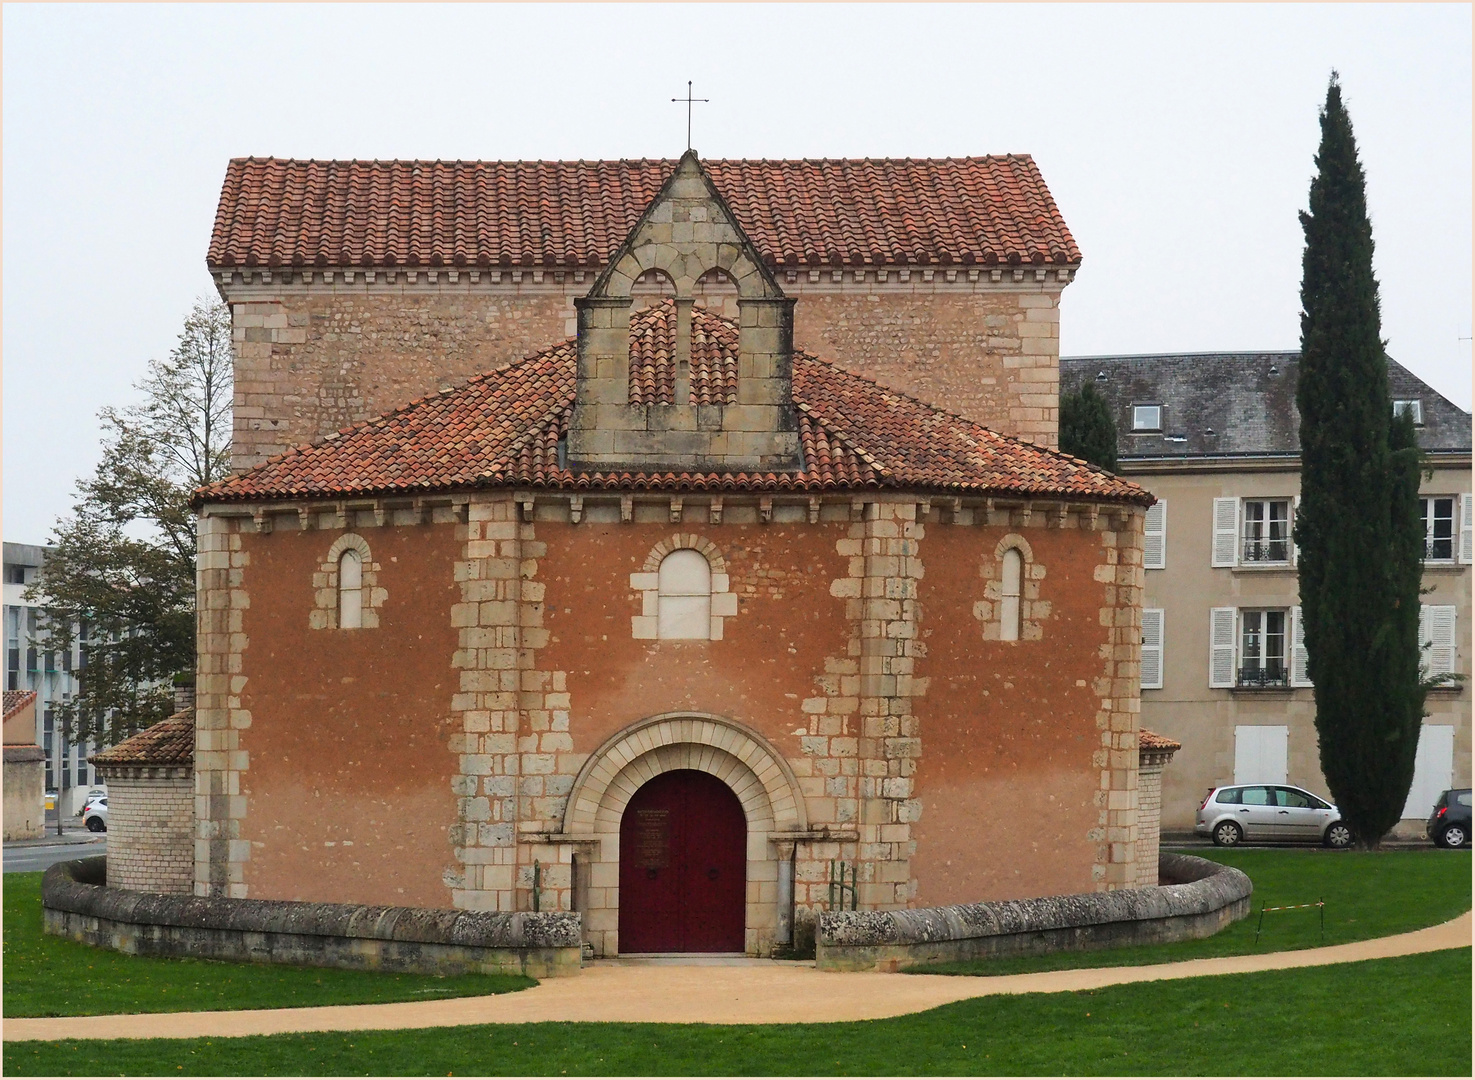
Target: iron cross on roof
689 102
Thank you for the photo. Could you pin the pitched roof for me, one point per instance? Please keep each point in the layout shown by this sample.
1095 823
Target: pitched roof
1151 740
1234 404
886 212
169 742
16 700
503 429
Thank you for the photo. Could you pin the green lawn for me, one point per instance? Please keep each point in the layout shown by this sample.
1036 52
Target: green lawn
49 976
1367 894
1408 1016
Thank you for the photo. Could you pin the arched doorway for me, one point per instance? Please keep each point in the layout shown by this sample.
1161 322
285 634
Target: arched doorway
683 866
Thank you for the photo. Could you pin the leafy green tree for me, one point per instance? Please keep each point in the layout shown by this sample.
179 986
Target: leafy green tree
121 577
1358 534
1087 429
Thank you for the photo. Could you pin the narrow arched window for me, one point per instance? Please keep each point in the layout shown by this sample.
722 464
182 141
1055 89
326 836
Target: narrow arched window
1009 595
685 603
350 591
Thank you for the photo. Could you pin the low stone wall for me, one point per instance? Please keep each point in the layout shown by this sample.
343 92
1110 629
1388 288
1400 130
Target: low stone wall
1205 898
78 904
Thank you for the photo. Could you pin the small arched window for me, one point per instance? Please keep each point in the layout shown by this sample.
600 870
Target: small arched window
350 591
1013 575
685 605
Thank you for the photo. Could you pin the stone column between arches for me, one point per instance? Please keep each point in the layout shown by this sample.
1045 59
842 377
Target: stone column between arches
757 775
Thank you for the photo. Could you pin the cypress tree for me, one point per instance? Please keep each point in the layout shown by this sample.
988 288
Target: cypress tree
1087 429
1357 532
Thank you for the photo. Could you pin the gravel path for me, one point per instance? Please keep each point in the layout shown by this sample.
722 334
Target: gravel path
756 992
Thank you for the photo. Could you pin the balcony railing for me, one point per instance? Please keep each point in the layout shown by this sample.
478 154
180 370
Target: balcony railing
1269 677
1440 549
1267 551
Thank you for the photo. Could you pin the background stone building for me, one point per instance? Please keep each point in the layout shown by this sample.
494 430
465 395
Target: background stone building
1216 438
25 805
482 650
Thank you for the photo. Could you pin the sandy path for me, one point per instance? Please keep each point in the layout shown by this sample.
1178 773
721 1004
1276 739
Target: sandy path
756 993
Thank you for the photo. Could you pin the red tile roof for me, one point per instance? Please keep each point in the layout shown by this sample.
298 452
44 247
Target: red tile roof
16 700
1151 740
502 429
169 742
888 212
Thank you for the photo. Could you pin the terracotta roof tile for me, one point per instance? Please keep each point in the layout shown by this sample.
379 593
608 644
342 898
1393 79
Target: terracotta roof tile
884 212
169 742
503 429
1151 740
16 700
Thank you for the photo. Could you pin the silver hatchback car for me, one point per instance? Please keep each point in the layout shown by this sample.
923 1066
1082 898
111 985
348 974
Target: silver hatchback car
1274 812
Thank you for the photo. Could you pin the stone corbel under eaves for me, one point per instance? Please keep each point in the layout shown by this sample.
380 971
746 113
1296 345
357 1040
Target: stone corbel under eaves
247 284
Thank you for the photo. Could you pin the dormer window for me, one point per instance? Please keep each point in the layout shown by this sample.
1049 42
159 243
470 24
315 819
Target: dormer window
1413 406
1147 417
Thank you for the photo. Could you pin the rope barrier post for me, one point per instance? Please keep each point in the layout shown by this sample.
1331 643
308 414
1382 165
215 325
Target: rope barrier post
1322 904
1261 923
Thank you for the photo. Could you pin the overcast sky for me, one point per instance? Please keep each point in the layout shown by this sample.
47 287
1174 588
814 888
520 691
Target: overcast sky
1178 142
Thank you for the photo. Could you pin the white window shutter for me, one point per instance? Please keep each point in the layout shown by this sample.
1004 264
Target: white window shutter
1221 647
1423 641
1152 648
1155 537
1226 532
1466 502
1437 636
1299 676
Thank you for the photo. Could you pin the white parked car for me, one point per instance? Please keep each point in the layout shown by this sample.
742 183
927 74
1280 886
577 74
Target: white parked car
95 813
1274 812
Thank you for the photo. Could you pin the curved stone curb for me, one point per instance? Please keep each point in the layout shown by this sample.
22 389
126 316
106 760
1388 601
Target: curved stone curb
764 992
76 903
1208 897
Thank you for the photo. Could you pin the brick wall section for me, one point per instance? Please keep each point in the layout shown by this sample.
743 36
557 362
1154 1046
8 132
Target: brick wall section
991 356
313 359
151 829
1149 820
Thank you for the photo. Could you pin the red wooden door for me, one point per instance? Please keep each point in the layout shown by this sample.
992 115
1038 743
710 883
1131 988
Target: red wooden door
683 866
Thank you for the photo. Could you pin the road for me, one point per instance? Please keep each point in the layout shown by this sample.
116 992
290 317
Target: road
20 858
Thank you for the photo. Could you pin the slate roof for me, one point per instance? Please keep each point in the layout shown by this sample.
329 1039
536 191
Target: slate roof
885 212
1234 404
16 700
169 742
503 429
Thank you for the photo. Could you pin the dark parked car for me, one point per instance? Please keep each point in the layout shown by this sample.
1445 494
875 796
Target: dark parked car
1449 825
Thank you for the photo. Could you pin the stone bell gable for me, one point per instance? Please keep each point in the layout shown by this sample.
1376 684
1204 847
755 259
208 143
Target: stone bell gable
686 234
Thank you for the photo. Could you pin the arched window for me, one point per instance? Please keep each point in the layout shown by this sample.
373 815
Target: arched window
350 591
684 608
1013 574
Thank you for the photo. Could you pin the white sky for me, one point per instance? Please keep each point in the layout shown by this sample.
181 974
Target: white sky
1178 142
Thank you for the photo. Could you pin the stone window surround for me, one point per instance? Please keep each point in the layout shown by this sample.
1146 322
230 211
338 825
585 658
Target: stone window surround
324 615
758 775
647 582
1032 610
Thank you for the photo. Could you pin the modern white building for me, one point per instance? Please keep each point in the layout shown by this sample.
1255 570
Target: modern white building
52 673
